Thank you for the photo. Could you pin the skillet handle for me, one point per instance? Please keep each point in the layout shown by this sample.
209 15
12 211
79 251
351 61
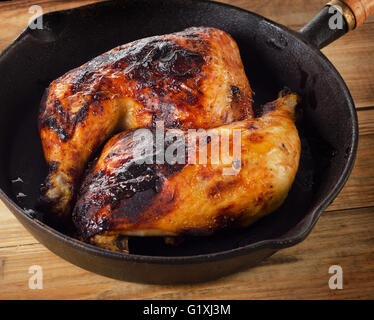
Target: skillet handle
336 19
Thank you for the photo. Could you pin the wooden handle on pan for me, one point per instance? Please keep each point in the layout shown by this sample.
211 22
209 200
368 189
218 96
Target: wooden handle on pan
361 9
355 11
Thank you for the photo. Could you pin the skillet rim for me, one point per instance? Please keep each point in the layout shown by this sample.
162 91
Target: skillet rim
305 227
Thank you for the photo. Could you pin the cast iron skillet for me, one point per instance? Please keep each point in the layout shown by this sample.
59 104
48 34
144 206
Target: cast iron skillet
274 57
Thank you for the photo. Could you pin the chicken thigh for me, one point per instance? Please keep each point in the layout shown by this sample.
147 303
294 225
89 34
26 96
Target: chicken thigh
123 196
190 79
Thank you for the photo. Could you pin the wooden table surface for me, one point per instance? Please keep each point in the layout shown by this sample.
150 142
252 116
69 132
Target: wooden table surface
344 235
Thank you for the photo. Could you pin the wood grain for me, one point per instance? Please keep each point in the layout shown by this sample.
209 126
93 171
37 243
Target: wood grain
15 15
353 57
366 121
288 12
359 189
343 235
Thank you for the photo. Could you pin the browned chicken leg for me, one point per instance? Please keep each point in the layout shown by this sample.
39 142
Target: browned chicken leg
120 197
190 79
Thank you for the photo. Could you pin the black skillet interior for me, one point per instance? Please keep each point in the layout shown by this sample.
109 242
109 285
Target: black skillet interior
273 58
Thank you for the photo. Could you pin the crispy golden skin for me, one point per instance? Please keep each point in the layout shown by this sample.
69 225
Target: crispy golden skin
120 197
191 79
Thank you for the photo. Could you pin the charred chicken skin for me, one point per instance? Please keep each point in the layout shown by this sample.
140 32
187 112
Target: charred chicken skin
190 79
120 197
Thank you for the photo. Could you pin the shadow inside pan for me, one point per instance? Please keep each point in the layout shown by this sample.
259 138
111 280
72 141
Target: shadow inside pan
272 59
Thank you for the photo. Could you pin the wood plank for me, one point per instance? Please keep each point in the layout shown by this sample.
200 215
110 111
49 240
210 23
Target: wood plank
366 121
12 233
344 238
353 57
359 189
15 15
287 12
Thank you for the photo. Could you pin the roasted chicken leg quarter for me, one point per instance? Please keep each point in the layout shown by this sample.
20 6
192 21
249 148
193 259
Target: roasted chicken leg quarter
190 79
120 197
